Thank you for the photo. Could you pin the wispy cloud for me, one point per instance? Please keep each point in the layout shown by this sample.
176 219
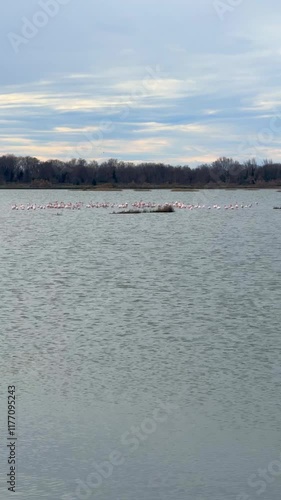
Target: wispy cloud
89 66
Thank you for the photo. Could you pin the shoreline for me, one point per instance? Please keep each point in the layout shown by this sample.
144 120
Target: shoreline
139 189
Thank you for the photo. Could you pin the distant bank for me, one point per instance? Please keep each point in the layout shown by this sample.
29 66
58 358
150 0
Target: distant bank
224 173
107 187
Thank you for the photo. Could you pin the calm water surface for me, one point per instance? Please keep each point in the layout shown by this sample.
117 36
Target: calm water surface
106 319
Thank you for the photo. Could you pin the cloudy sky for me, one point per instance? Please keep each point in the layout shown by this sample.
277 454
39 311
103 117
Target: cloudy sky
180 81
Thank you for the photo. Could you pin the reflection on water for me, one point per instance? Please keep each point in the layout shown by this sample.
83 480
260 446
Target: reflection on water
102 317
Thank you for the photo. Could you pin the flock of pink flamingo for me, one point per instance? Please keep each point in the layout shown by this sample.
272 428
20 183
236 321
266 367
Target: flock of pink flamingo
58 205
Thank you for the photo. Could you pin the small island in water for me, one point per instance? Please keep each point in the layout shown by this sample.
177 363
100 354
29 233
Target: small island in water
166 209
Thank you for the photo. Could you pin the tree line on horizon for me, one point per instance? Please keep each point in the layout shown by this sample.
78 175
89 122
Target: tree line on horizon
224 171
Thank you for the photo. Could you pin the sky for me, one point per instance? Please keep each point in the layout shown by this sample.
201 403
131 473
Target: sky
176 81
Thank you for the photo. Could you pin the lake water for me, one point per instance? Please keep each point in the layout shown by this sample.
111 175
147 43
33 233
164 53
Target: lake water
152 341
